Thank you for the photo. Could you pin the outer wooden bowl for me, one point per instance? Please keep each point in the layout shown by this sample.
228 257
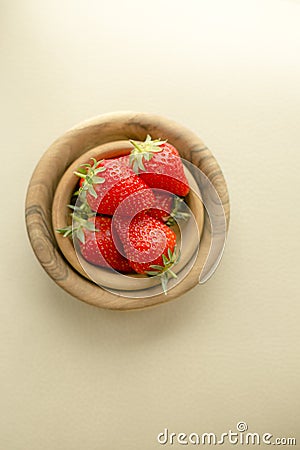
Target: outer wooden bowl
69 147
61 218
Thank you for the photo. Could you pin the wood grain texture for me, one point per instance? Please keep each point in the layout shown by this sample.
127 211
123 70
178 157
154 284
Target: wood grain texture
70 146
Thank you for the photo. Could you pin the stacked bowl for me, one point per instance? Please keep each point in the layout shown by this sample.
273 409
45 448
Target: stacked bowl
53 183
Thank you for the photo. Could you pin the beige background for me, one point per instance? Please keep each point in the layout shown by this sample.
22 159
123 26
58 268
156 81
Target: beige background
74 377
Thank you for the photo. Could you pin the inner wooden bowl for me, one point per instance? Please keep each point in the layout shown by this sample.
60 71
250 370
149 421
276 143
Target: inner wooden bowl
104 277
78 141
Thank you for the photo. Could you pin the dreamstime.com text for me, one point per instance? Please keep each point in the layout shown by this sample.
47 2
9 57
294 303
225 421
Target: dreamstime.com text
238 436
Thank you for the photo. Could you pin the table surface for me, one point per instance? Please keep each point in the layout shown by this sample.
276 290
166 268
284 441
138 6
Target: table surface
74 377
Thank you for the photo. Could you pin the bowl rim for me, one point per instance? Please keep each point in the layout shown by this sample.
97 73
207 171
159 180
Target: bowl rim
81 138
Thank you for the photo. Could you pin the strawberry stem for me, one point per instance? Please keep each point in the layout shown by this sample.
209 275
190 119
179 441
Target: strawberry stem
177 213
89 173
164 272
143 151
80 222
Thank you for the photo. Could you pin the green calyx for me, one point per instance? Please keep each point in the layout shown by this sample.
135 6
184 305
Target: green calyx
80 222
177 213
143 151
164 272
89 173
80 215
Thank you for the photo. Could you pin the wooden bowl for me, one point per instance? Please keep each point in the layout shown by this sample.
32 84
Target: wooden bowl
106 278
116 127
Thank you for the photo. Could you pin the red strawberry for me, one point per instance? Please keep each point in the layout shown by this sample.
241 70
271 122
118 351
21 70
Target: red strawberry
124 160
95 239
104 194
163 205
169 208
158 163
99 247
149 245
